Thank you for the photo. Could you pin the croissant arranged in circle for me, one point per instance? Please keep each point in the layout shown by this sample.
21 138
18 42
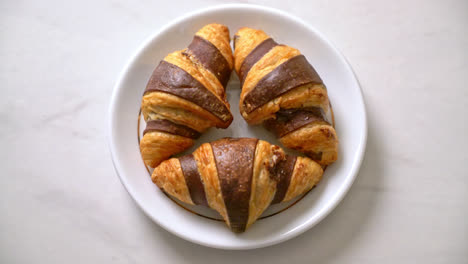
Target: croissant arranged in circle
239 178
284 92
186 95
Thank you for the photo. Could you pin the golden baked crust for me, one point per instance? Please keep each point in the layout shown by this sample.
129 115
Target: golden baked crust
268 177
245 40
209 174
239 178
306 175
218 35
196 70
315 138
173 181
309 95
265 65
282 75
187 91
157 146
159 105
263 184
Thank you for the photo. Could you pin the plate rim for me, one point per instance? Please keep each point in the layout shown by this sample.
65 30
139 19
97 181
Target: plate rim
359 156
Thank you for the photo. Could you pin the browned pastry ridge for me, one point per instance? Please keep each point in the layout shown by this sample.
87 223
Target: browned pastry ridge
284 92
239 178
186 95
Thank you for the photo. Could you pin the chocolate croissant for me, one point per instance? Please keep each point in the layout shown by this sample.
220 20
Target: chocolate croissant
186 95
239 178
284 92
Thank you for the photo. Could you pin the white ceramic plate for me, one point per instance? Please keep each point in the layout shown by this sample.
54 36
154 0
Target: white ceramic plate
344 93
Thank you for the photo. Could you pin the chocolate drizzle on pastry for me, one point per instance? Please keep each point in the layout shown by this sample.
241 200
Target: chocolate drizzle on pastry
167 126
292 73
171 79
283 171
288 120
234 162
193 179
211 58
255 55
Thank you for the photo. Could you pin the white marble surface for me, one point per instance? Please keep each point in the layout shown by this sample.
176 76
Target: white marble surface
61 201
